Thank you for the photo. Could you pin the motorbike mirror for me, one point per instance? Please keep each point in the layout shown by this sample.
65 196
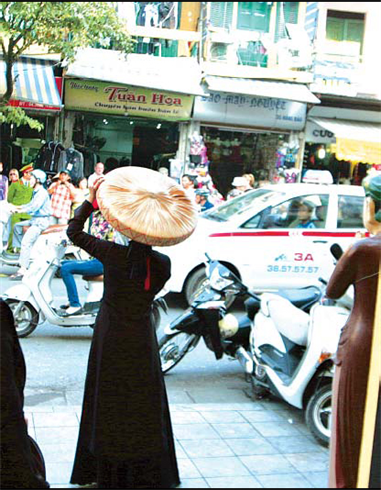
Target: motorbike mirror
336 251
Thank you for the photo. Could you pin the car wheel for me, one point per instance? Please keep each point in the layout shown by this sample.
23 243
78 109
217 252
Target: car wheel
193 284
26 317
319 413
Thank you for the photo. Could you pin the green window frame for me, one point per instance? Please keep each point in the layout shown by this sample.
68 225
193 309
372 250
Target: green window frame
345 29
254 16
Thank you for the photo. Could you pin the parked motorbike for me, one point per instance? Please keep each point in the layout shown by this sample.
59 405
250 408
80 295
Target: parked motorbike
208 317
32 302
293 353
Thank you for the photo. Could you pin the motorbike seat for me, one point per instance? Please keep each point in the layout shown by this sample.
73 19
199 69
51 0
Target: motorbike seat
301 298
98 278
54 229
289 320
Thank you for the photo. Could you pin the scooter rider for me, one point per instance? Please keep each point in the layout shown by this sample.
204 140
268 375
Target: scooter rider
40 210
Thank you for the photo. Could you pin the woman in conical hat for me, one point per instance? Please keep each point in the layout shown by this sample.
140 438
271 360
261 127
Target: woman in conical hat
359 266
126 438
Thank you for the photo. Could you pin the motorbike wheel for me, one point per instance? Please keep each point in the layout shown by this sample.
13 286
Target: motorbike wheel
173 348
26 319
318 414
155 316
193 284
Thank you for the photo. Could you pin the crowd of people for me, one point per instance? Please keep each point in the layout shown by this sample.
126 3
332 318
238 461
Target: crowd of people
37 201
200 188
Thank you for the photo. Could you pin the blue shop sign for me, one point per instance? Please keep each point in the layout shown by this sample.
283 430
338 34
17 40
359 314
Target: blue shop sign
247 110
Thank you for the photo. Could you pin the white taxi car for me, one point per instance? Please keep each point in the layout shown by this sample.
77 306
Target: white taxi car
274 237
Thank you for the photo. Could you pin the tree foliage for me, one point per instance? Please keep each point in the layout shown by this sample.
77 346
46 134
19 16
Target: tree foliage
61 27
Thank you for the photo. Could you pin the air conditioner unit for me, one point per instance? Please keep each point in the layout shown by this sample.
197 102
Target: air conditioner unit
225 52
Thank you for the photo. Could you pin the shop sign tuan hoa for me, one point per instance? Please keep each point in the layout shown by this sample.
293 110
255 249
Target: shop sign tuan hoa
110 98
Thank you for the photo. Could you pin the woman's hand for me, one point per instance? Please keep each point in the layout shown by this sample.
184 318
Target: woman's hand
94 188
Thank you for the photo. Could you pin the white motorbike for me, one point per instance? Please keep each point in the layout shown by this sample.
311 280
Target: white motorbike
32 301
12 259
293 352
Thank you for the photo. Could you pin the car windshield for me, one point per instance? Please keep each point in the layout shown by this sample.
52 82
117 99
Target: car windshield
240 204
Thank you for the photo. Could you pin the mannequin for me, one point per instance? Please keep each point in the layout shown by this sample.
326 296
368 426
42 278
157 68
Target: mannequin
359 266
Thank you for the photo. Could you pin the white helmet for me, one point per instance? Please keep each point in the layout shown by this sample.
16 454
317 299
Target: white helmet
40 175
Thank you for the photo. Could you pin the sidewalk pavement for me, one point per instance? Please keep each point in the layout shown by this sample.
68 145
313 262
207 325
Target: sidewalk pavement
218 445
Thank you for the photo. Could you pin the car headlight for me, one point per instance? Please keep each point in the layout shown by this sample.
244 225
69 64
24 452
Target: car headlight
218 282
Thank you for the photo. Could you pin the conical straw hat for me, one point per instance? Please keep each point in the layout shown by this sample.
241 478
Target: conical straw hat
146 206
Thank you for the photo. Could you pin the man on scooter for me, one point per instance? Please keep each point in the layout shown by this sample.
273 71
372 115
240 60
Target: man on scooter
40 210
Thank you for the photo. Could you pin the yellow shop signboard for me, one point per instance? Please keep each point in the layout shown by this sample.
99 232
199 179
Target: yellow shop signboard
112 98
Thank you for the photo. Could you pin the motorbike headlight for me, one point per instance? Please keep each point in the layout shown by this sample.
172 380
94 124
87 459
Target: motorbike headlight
218 282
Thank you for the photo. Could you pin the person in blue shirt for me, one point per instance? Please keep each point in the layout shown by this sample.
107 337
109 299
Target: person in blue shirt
202 200
40 210
305 215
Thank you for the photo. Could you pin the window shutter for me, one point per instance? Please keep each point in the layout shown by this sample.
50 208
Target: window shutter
286 13
221 14
254 16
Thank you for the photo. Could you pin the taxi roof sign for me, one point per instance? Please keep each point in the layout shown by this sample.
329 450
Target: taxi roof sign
317 177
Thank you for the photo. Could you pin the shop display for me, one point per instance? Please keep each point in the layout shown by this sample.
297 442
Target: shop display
233 153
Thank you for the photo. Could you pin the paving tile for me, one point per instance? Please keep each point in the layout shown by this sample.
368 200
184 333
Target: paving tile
59 473
262 416
223 417
180 453
318 479
304 462
178 407
67 408
251 447
302 428
293 444
267 464
213 407
208 449
218 467
58 453
38 408
234 482
187 418
275 429
274 404
206 395
58 419
56 435
290 480
187 469
245 430
193 483
194 431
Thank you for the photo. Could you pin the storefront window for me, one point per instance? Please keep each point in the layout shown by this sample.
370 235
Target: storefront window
233 153
122 141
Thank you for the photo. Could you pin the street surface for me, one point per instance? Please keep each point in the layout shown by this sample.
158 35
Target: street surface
206 397
56 359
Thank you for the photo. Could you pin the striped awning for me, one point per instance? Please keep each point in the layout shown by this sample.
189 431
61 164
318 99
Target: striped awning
34 82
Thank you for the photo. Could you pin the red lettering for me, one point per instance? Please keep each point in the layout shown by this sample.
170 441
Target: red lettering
157 98
299 257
